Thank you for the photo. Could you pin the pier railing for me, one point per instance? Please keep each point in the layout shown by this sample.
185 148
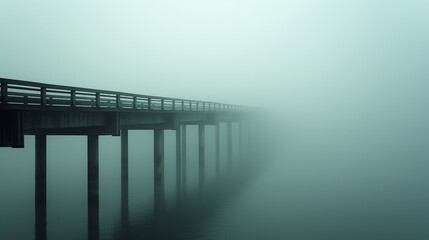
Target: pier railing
38 95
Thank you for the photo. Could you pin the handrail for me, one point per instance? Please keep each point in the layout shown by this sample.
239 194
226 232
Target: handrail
18 92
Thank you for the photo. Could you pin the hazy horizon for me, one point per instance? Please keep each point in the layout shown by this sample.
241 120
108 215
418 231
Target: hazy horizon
346 83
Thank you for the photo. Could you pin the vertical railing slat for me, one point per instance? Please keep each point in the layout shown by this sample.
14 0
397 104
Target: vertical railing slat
42 96
73 98
118 100
97 100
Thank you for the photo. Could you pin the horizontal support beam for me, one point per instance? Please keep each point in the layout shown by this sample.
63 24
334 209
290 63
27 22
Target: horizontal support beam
149 126
98 130
197 123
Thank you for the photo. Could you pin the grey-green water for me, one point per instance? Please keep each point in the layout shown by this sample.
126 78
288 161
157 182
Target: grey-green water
321 185
66 182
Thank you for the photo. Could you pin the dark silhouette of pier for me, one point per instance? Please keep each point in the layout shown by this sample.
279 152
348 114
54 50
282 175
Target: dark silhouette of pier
30 108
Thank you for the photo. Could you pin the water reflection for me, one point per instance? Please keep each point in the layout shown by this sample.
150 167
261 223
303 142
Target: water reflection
40 214
181 220
169 216
93 219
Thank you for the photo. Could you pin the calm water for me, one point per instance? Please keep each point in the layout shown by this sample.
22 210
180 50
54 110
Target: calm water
320 186
66 184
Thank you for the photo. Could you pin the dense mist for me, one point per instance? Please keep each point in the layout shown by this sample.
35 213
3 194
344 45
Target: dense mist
341 89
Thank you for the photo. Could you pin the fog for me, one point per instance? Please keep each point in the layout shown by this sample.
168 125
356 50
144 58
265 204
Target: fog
343 86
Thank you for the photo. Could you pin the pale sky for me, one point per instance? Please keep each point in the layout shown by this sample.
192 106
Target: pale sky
350 79
305 55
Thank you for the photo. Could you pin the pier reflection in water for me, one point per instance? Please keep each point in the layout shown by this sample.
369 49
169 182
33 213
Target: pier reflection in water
130 204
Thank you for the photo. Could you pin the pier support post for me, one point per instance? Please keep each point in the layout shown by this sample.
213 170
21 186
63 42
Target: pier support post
124 177
93 203
240 141
201 155
184 178
178 162
217 151
229 145
158 169
249 150
40 188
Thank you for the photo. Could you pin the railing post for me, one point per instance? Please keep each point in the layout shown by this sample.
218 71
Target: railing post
134 102
174 104
183 105
25 100
3 93
43 96
198 106
73 98
149 102
162 103
118 100
97 99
